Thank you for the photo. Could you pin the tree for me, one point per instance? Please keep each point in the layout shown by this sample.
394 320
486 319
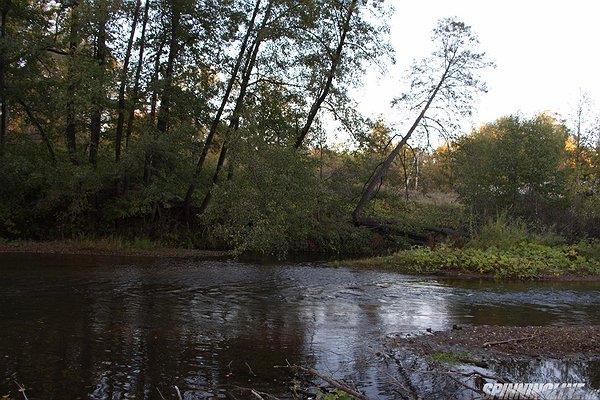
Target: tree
442 87
100 16
512 164
3 98
123 85
224 101
303 48
584 137
70 112
336 59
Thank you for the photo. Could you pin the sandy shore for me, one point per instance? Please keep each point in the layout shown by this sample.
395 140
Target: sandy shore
531 341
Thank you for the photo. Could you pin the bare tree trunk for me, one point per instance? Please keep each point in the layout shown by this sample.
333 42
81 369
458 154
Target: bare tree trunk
215 123
215 178
234 123
123 86
385 166
405 173
153 101
416 186
3 99
165 102
40 129
335 62
138 74
99 96
71 129
154 81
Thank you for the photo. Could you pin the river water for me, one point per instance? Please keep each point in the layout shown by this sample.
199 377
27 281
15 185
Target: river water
113 328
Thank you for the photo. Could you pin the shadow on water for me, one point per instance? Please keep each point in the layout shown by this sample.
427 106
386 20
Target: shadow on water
112 328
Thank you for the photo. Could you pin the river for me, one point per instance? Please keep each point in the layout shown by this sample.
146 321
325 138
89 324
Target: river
114 327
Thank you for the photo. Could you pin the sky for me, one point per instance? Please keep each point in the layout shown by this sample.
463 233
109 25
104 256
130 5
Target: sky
546 53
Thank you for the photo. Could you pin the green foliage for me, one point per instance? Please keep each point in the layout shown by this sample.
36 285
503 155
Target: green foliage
335 395
413 215
504 249
269 205
512 165
521 261
450 357
269 197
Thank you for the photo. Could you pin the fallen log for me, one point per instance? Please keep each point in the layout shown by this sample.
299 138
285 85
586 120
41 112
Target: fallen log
421 234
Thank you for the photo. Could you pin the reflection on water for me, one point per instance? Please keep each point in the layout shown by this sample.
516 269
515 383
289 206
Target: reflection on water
112 328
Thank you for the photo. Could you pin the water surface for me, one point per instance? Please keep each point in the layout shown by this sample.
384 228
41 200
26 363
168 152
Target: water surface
113 328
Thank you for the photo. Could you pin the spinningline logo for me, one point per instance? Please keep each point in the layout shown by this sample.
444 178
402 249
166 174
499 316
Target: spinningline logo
546 391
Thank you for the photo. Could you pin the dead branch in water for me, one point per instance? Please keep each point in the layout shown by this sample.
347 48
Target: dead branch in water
178 393
22 390
161 395
255 393
250 369
330 380
489 344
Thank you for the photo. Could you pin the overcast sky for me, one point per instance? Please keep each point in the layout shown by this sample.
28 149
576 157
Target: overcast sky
545 51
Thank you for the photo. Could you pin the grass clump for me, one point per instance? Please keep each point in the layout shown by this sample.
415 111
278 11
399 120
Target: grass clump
444 357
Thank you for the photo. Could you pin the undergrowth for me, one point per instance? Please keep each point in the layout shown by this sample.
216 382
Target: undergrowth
504 249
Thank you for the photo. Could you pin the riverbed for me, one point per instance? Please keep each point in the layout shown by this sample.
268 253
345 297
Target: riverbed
106 327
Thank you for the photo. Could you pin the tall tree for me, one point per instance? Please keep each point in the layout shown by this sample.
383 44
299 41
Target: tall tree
98 90
512 164
176 9
3 97
234 121
233 77
138 73
446 81
123 84
336 59
71 127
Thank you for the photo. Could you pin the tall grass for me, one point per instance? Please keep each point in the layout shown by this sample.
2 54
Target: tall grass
504 232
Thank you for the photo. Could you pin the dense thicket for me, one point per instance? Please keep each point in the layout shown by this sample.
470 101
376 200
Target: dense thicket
203 123
533 169
164 117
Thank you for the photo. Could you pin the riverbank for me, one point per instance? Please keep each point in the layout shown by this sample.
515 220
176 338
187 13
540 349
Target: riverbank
531 341
522 261
106 247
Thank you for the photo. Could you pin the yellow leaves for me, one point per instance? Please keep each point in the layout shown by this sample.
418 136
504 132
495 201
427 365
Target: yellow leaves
570 144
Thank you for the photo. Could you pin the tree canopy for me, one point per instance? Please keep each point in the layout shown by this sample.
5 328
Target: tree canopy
512 163
204 123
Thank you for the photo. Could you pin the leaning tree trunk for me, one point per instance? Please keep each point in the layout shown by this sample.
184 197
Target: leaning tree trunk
98 97
217 119
234 122
138 74
153 102
385 166
40 128
71 129
3 99
335 62
154 82
123 85
165 102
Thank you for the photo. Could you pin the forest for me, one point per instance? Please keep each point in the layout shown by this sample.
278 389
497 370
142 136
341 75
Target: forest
207 124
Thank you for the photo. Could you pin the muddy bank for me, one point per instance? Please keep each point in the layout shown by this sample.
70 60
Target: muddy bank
105 249
531 341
